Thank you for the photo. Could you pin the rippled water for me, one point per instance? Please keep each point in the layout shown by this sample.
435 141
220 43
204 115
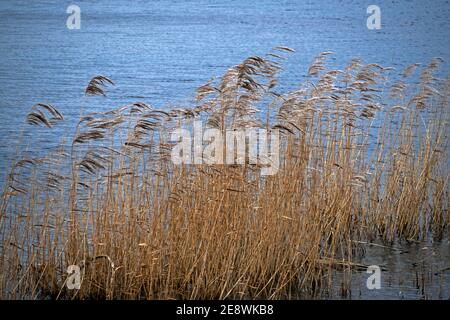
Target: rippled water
158 52
409 270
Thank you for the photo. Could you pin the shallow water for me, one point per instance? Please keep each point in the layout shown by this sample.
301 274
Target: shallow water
159 52
414 270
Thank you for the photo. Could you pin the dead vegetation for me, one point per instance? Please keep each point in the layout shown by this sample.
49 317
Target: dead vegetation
360 160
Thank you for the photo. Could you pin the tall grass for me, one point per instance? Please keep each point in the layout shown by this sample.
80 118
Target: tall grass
363 157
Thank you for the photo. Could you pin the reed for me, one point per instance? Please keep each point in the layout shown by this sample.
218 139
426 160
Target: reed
364 156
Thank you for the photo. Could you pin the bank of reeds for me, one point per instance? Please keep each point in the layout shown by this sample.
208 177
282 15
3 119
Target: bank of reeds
362 158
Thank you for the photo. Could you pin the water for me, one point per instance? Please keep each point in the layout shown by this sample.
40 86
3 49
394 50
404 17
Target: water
159 52
414 270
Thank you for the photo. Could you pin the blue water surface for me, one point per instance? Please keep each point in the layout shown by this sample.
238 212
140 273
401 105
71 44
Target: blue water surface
159 52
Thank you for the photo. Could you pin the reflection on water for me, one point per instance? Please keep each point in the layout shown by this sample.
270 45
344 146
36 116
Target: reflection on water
414 270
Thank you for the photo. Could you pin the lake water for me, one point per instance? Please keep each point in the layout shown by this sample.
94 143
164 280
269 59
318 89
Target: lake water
159 52
409 270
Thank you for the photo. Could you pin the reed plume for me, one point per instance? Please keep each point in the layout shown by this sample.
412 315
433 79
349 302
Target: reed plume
363 156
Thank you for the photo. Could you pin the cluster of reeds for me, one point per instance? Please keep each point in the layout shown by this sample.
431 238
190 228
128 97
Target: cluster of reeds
361 159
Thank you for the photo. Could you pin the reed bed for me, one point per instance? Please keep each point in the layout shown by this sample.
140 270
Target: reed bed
363 157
